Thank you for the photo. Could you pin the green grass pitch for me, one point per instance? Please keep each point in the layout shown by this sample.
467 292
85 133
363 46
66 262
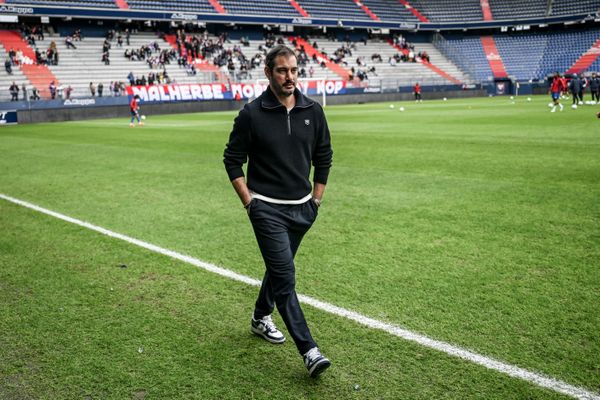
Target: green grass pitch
475 222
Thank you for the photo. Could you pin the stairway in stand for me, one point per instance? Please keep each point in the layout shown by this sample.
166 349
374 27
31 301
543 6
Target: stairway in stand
586 60
39 75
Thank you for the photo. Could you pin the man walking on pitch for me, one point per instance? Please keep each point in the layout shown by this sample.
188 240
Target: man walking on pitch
556 87
134 110
281 134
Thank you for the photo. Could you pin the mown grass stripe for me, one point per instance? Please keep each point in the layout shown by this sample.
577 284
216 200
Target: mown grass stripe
487 362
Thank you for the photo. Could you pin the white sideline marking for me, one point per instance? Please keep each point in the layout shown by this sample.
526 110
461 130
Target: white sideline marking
508 369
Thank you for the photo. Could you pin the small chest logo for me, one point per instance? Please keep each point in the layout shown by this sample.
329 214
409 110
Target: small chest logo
307 122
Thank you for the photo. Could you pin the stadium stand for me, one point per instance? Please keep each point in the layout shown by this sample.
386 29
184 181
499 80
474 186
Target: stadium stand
467 53
7 79
390 75
333 9
87 57
390 10
202 6
595 65
586 59
37 75
563 49
526 56
68 3
570 7
442 11
449 10
521 54
78 67
273 7
502 9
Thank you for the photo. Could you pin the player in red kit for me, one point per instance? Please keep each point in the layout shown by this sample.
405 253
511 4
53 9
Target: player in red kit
417 92
556 87
134 108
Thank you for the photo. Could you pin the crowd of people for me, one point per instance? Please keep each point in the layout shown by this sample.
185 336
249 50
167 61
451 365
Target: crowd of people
153 55
153 78
576 87
27 94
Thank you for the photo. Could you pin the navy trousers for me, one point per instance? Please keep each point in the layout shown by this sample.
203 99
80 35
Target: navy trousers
279 229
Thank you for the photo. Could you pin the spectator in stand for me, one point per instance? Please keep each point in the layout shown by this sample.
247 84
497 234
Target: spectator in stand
311 71
69 42
38 31
34 94
417 92
127 36
60 91
52 54
19 57
106 46
100 89
38 57
77 35
24 91
120 40
8 66
14 92
12 54
131 78
68 92
92 89
106 58
52 89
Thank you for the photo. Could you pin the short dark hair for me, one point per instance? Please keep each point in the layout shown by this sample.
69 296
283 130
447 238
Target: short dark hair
279 50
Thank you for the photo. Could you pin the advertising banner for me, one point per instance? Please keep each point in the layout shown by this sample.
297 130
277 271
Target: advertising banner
218 91
8 117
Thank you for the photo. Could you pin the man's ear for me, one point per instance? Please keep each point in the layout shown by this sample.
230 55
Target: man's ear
267 72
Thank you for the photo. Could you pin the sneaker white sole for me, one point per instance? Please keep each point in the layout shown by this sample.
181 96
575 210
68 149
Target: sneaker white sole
258 332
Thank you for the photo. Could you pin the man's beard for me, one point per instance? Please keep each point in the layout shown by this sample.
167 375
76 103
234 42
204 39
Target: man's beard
285 91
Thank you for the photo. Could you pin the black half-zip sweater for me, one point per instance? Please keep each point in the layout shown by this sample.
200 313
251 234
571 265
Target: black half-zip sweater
279 146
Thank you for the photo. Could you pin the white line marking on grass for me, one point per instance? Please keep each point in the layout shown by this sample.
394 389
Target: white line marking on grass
508 369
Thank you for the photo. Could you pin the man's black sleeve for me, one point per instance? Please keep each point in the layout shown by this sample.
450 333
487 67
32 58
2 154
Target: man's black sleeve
236 151
323 154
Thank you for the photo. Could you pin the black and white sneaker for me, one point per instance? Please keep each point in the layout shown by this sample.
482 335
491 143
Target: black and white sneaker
266 329
315 362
